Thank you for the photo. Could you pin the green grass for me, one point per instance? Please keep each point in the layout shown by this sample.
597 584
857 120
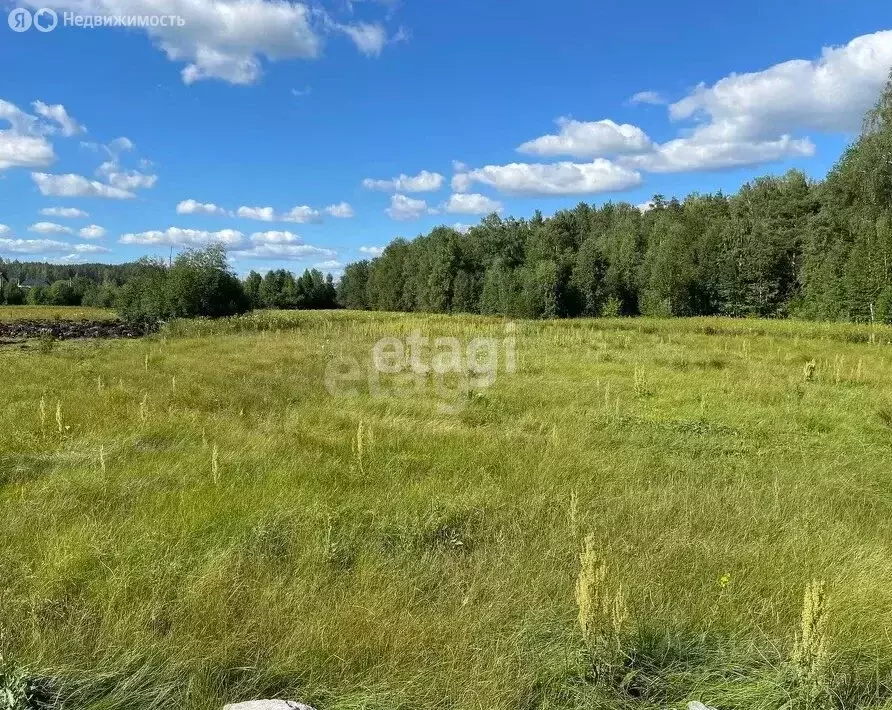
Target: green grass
383 553
48 313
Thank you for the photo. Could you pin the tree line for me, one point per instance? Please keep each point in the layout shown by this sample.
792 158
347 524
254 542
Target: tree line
780 246
198 282
40 283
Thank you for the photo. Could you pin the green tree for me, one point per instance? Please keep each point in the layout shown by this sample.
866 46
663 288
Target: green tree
502 292
36 296
466 288
353 288
669 270
199 283
588 276
385 285
252 289
623 249
62 293
12 294
143 299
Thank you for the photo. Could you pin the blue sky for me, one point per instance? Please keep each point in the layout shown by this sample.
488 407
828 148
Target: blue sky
283 129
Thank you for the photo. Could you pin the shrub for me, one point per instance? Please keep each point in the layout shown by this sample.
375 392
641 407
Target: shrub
36 296
612 308
104 296
62 293
199 283
45 343
13 295
143 299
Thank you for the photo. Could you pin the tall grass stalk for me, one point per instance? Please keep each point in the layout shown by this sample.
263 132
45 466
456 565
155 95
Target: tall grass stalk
603 613
810 658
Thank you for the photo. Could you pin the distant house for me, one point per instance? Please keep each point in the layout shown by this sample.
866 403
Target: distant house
32 283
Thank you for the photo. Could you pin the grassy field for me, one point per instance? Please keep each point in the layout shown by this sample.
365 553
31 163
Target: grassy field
193 518
45 313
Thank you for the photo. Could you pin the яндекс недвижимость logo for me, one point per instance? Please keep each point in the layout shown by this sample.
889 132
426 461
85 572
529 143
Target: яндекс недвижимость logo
43 20
46 20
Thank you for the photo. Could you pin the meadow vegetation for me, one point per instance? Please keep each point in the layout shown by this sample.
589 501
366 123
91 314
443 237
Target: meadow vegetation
55 313
646 512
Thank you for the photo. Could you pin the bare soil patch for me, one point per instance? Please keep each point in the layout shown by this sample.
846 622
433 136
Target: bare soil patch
16 331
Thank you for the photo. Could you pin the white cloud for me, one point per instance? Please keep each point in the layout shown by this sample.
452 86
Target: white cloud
194 207
425 181
24 151
90 249
176 236
643 207
329 264
831 93
342 210
64 212
745 119
71 185
462 228
260 245
589 139
67 259
695 153
4 230
49 228
404 208
262 214
283 251
31 246
58 114
112 173
276 237
369 38
372 251
301 214
647 97
113 148
119 145
23 143
93 231
19 121
46 246
471 203
562 178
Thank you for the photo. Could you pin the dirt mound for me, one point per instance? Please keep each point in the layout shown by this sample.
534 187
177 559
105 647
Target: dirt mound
68 330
